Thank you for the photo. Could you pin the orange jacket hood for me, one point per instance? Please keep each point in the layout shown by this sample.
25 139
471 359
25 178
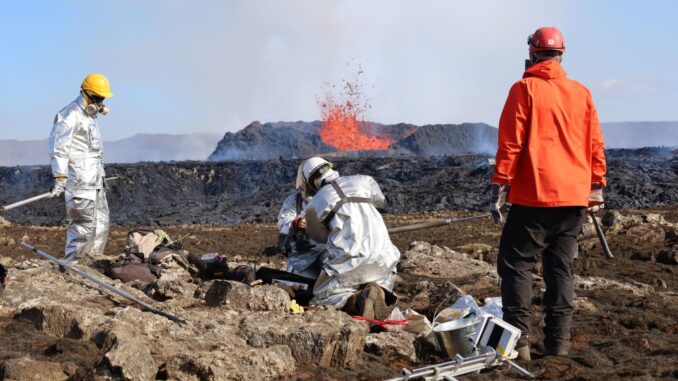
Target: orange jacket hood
545 69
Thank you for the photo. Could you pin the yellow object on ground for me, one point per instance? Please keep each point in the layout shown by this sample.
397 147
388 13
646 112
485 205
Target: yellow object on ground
295 308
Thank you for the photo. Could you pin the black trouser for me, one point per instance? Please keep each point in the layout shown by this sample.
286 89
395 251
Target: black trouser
529 232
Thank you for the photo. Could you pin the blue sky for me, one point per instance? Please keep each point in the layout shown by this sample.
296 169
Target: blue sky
214 66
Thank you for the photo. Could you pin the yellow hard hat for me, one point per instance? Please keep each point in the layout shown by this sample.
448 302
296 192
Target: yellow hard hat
98 84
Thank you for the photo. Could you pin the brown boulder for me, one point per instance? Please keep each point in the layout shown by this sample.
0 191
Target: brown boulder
392 346
326 338
241 297
25 368
129 356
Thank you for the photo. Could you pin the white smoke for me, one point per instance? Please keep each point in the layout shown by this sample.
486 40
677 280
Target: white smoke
238 61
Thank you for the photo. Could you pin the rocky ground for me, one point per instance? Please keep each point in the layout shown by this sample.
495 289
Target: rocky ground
56 327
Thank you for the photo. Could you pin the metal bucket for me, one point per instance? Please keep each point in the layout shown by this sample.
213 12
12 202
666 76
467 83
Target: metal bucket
456 337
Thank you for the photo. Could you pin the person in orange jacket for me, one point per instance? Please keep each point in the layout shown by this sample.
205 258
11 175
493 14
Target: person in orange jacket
550 166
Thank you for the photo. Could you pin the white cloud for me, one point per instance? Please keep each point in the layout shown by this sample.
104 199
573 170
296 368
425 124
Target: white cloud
629 87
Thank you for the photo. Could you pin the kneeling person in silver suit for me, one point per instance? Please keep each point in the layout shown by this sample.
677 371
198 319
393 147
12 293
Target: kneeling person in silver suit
360 263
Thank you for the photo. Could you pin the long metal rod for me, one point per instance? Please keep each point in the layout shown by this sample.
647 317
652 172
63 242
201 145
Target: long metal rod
38 198
520 370
434 223
26 201
108 287
601 237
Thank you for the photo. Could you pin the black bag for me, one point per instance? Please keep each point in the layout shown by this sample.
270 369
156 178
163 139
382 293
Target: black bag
243 273
135 271
211 265
302 286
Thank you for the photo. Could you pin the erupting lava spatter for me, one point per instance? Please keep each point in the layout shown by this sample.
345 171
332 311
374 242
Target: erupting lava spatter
344 127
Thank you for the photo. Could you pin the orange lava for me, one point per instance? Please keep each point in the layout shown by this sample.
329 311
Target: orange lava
343 126
342 130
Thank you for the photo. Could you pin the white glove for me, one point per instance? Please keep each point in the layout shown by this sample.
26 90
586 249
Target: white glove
59 187
596 199
498 202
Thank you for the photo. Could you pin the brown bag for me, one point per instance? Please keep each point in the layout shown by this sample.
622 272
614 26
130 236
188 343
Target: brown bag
131 269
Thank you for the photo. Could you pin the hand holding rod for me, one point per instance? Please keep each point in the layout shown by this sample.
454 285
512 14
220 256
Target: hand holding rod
108 287
38 198
601 237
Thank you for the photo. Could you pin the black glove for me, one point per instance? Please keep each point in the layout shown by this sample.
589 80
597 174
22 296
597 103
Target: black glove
301 243
498 202
271 251
284 243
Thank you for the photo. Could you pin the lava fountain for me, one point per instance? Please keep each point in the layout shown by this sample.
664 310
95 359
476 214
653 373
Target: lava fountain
344 127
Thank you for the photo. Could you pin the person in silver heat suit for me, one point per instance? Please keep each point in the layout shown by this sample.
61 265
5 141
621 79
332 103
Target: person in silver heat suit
77 155
304 256
343 214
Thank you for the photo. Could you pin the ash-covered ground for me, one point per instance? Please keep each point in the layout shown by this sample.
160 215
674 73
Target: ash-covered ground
55 327
153 194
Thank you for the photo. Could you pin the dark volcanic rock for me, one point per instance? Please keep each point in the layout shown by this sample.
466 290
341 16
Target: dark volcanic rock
445 139
293 140
239 191
271 141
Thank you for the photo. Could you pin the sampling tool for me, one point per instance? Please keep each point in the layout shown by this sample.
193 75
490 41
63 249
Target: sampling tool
488 358
67 266
435 223
601 236
38 198
491 347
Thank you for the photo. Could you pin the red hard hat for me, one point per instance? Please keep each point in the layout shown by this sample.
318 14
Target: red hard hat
546 38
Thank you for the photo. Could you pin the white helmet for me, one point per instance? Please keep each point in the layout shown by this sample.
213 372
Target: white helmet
300 182
314 171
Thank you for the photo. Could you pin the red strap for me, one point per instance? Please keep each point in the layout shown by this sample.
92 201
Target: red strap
382 323
295 223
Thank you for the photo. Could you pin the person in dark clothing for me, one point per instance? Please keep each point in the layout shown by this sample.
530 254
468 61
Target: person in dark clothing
550 166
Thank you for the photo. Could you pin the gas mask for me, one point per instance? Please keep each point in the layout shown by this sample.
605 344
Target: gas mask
96 105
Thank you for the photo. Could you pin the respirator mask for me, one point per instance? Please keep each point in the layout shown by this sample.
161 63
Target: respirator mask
96 105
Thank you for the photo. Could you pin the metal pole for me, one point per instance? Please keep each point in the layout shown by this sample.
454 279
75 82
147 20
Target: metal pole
26 201
108 287
601 237
39 197
434 223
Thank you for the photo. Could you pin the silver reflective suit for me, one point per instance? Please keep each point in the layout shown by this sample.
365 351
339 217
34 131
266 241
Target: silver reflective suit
76 152
305 263
290 210
359 249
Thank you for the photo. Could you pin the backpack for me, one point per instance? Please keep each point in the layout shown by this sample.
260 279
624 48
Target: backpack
131 269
